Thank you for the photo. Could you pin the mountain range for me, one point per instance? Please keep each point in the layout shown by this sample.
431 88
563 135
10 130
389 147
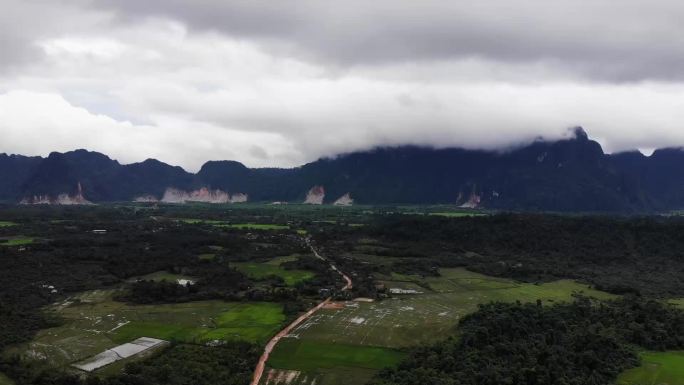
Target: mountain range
566 175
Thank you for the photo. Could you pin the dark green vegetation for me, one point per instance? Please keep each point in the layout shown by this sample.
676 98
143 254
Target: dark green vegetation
220 285
618 255
580 343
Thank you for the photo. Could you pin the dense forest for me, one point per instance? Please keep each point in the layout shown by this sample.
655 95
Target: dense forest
566 344
639 255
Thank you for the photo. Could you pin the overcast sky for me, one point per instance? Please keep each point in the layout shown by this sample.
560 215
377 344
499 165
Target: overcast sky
280 83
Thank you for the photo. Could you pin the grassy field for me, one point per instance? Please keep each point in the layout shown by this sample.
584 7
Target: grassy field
18 241
678 302
7 224
94 323
257 270
203 321
405 320
331 364
657 368
307 355
241 226
255 226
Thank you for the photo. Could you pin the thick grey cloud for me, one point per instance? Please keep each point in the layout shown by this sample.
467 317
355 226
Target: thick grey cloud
281 83
23 23
628 40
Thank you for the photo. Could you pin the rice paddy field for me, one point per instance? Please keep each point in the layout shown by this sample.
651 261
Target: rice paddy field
325 363
241 226
17 241
657 368
406 320
95 322
262 270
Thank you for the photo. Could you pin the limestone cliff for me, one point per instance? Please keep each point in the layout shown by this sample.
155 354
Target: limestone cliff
315 196
202 195
344 200
61 199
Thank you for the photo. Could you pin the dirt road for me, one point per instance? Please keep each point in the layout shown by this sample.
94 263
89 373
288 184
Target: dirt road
261 365
347 279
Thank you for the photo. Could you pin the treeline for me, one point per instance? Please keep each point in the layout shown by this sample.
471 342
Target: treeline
639 255
565 344
229 364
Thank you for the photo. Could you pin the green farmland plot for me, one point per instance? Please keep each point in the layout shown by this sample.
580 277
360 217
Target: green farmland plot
217 321
203 321
657 368
310 355
240 226
256 226
678 302
332 364
262 270
17 241
94 323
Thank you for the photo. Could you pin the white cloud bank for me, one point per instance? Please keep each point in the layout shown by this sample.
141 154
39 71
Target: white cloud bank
187 90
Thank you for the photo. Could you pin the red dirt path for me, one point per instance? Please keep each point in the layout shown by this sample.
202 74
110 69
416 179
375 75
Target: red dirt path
261 365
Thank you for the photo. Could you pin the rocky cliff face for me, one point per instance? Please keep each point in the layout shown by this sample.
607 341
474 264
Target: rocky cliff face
146 199
315 196
238 198
202 195
344 200
472 202
573 174
60 199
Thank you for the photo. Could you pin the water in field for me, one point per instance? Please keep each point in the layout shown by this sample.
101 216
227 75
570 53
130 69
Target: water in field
405 320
